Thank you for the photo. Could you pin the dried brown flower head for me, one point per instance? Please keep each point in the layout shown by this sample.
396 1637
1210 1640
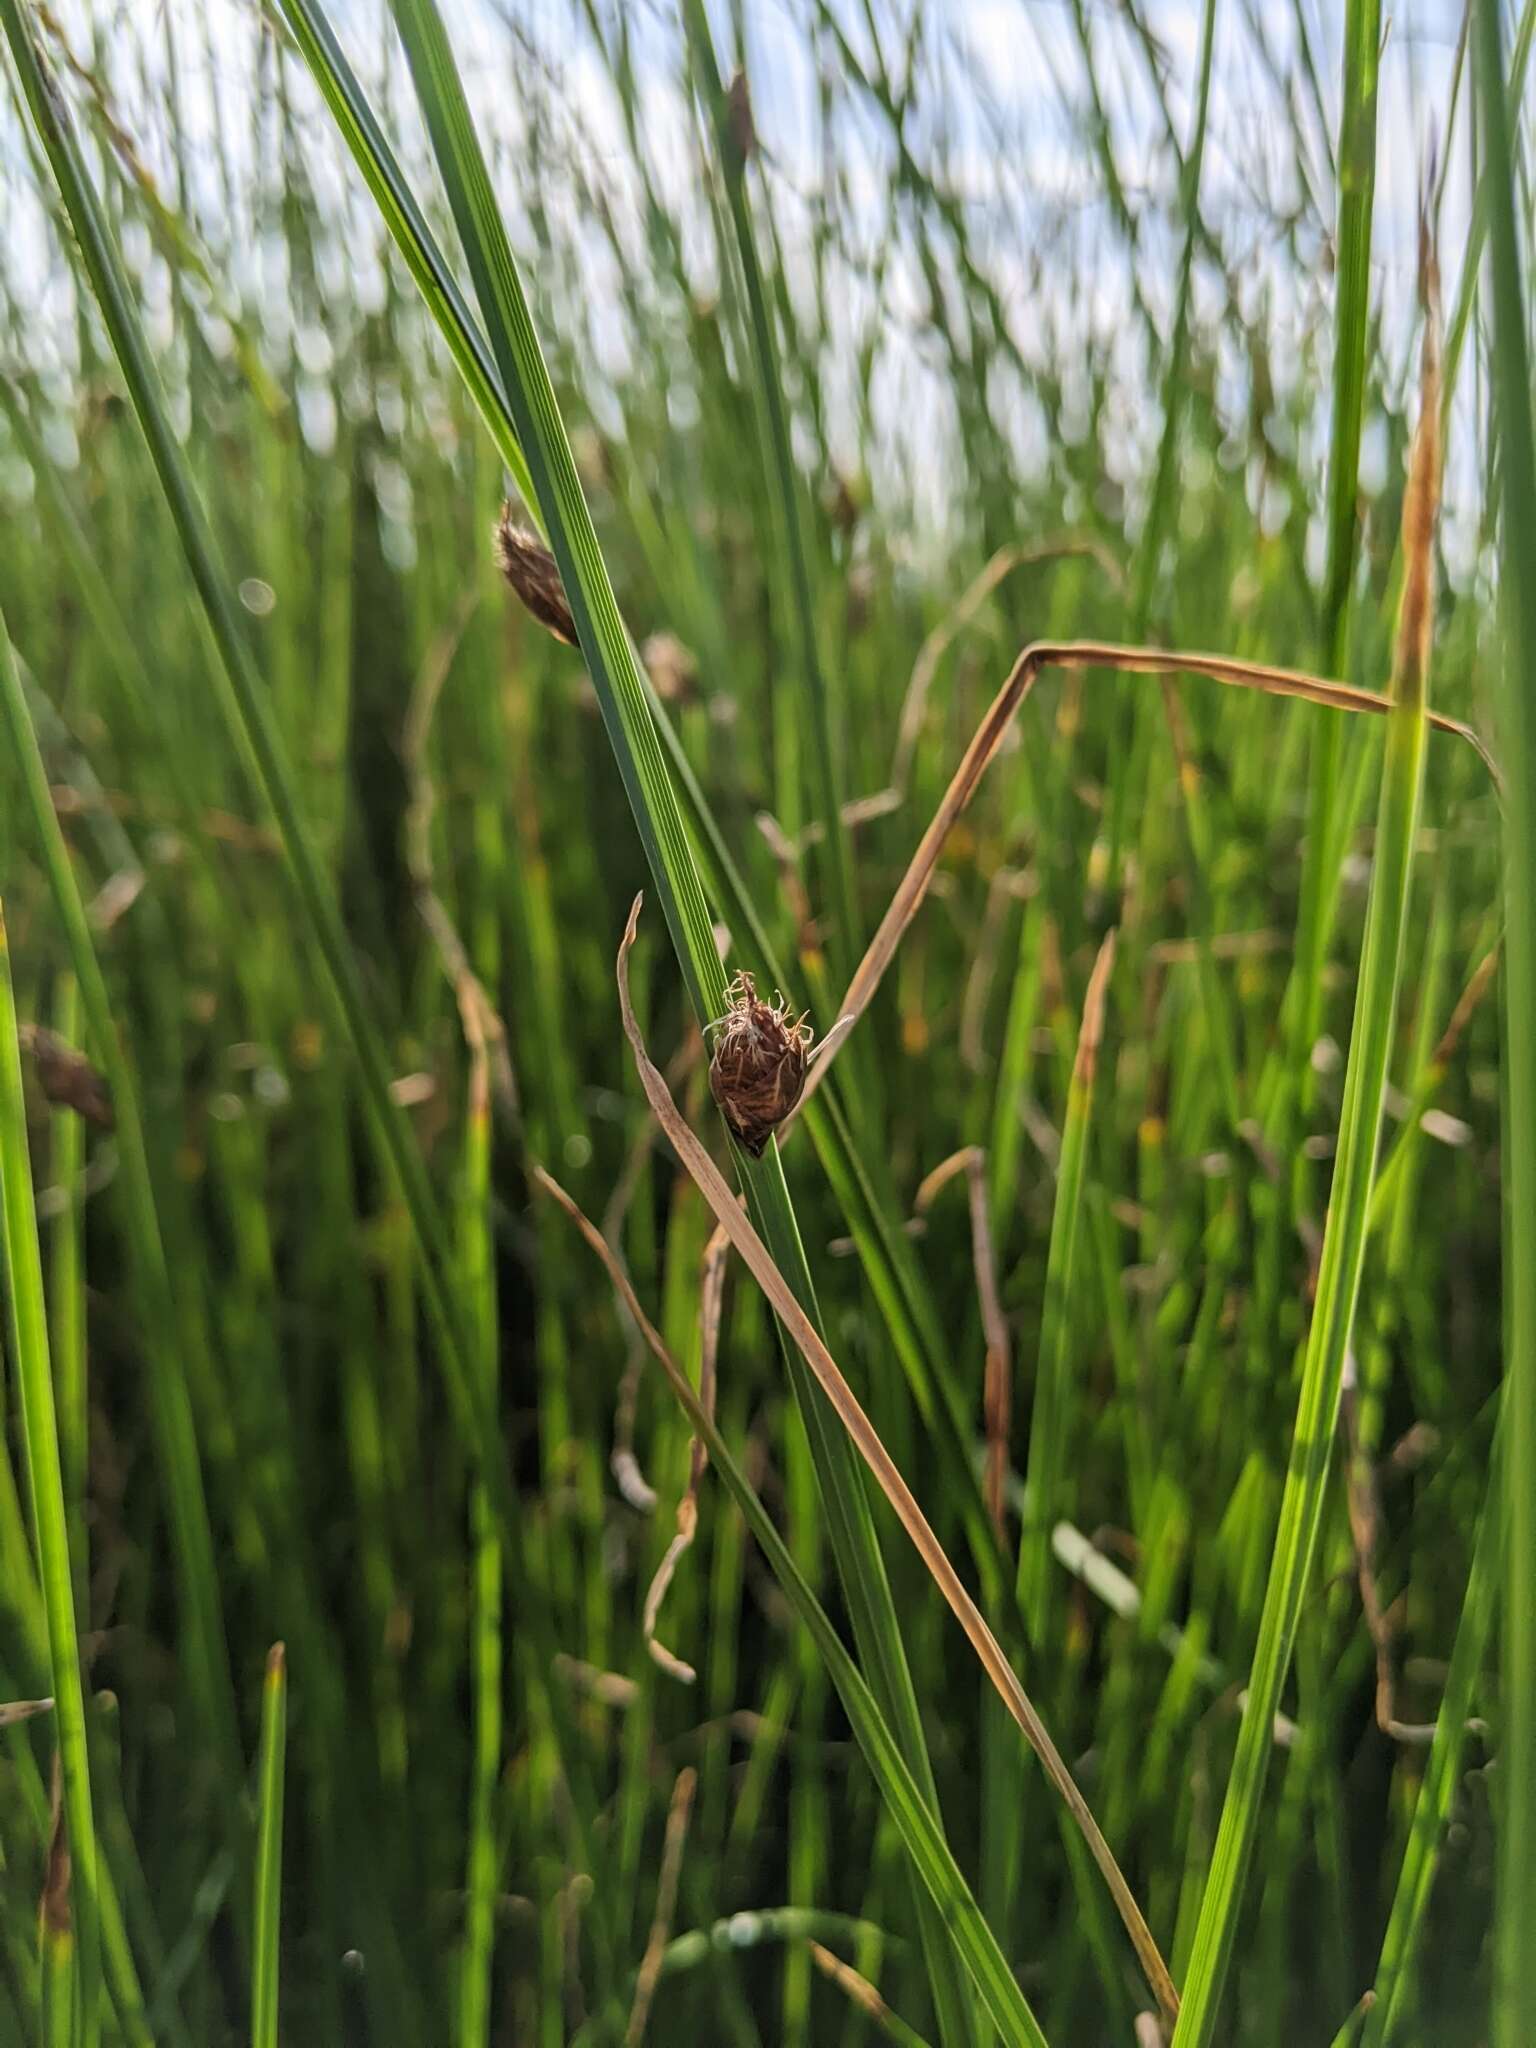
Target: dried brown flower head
66 1077
758 1068
738 115
534 574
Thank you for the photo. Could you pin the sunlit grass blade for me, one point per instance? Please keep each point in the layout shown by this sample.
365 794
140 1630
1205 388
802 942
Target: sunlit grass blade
1344 1240
266 1936
1515 1972
27 1328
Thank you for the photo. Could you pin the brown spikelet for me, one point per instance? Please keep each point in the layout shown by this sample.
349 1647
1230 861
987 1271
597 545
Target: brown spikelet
738 114
533 573
67 1077
758 1069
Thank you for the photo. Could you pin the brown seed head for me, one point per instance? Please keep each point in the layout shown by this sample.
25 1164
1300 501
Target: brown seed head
758 1068
738 114
67 1077
533 573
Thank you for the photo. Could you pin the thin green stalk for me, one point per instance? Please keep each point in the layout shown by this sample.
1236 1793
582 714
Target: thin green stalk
615 674
1351 340
1344 1241
244 702
66 1294
27 1323
905 1801
730 118
171 1408
895 1277
265 1943
1045 1503
1515 1976
1442 1777
482 1859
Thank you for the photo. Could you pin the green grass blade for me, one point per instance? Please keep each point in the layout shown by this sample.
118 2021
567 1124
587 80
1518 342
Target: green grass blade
1442 1776
1515 1976
730 120
27 1324
486 1660
895 1277
265 1944
244 702
615 674
1351 341
1045 1503
369 146
1343 1252
171 1409
905 1800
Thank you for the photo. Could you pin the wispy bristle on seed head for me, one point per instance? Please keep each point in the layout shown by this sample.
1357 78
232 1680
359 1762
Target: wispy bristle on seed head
532 571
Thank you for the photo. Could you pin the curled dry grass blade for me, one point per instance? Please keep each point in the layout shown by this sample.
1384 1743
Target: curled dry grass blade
711 1300
14 1711
909 722
931 1856
666 1901
866 1440
1079 655
860 1993
1344 1240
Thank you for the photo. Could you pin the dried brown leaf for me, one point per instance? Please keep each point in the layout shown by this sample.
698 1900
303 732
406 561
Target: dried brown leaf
867 1442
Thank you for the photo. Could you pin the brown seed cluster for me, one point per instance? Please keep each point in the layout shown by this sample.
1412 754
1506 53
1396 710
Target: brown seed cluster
758 1068
66 1077
534 574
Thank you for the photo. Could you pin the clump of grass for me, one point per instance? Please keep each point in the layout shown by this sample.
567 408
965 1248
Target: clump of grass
329 1365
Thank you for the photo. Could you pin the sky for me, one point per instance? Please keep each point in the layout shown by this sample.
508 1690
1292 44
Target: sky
998 119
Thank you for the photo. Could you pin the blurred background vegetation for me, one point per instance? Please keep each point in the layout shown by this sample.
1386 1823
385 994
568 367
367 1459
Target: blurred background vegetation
1062 344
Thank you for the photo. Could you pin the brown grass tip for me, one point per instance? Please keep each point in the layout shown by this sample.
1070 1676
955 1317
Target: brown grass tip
758 1067
532 571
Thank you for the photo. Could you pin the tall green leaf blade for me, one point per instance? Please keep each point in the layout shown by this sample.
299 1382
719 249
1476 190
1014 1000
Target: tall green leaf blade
1515 1994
